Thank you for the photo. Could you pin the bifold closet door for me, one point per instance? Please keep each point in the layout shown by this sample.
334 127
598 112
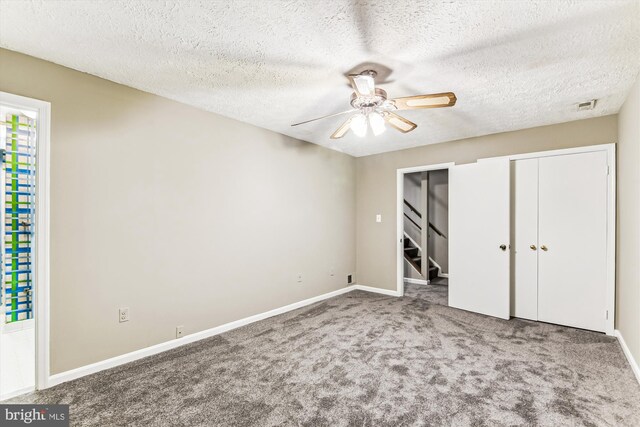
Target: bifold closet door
479 236
572 238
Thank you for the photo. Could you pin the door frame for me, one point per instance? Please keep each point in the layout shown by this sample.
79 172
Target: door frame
400 216
41 272
610 149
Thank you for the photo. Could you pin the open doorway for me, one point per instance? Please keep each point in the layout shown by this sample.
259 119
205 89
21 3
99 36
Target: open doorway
24 249
423 223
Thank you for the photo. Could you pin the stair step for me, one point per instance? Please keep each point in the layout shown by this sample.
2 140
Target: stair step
412 261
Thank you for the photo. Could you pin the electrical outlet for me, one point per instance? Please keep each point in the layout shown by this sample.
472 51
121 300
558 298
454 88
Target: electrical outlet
299 277
179 330
123 314
378 218
349 279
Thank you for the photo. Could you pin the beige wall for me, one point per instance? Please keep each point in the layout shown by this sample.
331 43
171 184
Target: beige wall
376 182
186 217
628 268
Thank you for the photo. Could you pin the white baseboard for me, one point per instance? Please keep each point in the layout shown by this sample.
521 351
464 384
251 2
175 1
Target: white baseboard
158 348
377 290
634 365
13 394
416 281
168 345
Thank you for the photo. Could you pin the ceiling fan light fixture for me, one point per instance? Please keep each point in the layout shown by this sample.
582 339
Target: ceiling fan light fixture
377 123
374 110
359 125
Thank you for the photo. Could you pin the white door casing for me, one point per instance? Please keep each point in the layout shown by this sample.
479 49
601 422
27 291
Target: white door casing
479 220
41 244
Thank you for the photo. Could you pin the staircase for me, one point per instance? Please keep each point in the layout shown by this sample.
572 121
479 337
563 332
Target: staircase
412 252
413 256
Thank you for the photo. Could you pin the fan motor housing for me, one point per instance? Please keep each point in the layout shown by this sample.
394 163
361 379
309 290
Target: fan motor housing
369 101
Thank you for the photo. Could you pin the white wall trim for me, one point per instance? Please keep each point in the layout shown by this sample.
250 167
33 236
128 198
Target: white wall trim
634 365
560 152
388 292
43 189
416 281
611 237
188 339
400 217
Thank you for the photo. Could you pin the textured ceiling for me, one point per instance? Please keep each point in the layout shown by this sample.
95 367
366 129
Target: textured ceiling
512 64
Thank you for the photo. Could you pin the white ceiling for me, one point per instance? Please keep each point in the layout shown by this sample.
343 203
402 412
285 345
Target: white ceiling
512 64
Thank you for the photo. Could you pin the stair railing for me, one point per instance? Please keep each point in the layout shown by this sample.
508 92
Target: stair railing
415 211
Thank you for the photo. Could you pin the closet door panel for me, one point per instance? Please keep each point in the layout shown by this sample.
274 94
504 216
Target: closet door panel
479 236
572 238
524 239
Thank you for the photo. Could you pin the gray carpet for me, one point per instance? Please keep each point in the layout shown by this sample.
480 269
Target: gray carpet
363 359
435 294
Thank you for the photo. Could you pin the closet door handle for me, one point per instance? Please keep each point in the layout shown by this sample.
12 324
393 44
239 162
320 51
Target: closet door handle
544 248
503 247
533 247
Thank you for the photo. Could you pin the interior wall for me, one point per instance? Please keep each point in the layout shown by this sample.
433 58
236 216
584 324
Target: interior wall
628 241
186 217
376 182
439 216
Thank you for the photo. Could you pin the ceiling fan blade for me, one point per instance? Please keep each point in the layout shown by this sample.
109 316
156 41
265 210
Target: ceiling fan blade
434 100
342 130
398 122
325 117
362 84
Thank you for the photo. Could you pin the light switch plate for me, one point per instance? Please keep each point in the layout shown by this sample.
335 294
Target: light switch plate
378 218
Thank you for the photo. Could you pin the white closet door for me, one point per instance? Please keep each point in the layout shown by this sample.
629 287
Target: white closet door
524 239
573 238
478 226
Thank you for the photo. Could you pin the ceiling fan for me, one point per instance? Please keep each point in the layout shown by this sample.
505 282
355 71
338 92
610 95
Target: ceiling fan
371 107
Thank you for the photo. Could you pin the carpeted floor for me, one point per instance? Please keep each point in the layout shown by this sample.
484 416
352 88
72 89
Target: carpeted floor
435 294
363 359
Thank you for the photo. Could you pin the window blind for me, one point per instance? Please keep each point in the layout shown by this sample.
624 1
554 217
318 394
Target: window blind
18 147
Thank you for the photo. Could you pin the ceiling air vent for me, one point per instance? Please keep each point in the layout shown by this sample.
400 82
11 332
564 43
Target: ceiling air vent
587 105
